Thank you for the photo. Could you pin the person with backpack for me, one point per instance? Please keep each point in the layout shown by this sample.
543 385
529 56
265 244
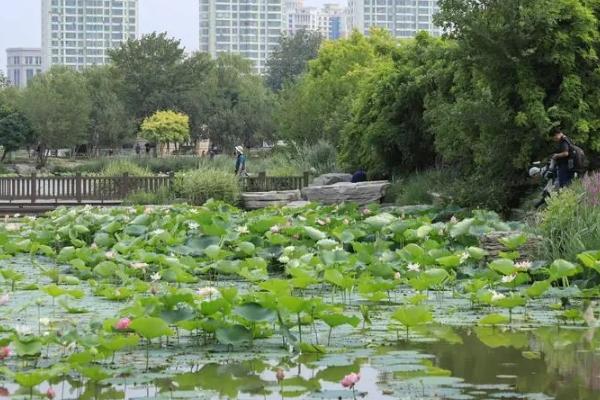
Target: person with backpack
569 159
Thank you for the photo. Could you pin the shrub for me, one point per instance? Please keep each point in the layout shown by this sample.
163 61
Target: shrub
319 158
571 222
196 187
416 189
167 164
161 196
120 167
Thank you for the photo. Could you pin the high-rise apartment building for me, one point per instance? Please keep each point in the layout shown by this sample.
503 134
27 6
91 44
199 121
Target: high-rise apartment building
250 28
329 21
79 33
22 65
403 18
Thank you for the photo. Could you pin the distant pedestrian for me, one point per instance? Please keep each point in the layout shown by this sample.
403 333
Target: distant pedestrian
240 161
138 149
563 158
147 146
359 176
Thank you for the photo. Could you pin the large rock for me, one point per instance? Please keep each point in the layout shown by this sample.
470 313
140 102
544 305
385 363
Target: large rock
491 242
256 200
330 179
361 193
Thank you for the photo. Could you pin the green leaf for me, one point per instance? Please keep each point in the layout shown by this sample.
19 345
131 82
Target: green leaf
233 335
95 374
334 320
309 348
461 228
476 253
494 319
512 301
314 233
452 261
411 316
27 346
503 266
255 312
150 327
590 259
33 378
106 269
513 242
562 269
537 289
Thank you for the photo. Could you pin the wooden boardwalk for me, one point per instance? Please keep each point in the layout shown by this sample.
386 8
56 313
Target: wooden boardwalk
38 194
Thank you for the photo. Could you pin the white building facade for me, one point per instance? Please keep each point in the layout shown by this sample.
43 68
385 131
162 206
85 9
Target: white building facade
402 18
79 33
250 28
22 64
330 20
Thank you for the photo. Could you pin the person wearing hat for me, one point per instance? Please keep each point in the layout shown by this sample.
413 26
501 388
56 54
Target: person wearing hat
240 162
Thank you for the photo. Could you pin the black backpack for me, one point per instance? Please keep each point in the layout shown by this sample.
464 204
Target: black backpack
578 161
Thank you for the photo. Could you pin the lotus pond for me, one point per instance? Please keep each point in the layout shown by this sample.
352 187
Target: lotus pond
318 302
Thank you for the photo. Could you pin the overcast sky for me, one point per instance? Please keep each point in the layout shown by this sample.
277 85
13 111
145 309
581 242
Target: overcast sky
20 22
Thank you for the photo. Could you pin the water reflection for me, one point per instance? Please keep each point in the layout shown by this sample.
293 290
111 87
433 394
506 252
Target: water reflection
478 363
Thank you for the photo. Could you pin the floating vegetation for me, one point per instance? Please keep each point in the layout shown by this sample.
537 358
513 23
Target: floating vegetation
318 302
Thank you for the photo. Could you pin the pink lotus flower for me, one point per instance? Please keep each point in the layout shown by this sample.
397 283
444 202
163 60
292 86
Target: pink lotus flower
123 324
280 375
50 393
350 380
5 352
4 299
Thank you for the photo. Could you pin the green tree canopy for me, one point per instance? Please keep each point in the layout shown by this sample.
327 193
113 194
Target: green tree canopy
320 104
15 130
155 73
241 109
110 124
290 58
521 68
165 127
57 104
387 132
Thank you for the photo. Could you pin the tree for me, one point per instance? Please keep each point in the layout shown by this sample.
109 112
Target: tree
58 107
155 74
319 105
15 130
521 67
387 132
3 80
110 124
241 106
166 127
290 58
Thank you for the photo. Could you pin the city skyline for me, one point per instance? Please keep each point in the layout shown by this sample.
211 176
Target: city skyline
20 24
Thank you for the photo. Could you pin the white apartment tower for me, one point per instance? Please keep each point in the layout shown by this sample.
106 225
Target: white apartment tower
22 65
250 28
329 21
403 18
79 33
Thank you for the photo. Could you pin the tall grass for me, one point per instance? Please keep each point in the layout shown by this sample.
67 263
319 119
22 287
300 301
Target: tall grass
198 186
571 222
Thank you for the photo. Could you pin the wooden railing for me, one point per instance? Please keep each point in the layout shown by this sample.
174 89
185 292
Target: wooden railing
264 183
81 188
78 188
